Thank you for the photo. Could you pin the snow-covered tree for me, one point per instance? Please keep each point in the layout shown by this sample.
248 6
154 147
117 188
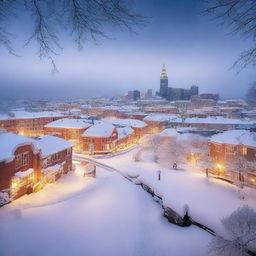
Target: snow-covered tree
4 197
154 143
173 151
238 164
240 240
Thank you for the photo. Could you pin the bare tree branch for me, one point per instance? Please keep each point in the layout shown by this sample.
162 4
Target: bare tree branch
240 17
84 19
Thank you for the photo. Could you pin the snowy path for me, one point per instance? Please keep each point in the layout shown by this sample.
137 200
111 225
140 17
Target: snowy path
104 216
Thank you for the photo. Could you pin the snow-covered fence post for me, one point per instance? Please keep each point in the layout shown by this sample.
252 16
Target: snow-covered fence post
159 174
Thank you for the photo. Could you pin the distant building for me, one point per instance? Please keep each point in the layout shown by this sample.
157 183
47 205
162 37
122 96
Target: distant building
211 96
173 94
149 94
163 83
133 95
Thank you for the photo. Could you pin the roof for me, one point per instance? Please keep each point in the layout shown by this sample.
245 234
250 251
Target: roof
169 132
124 132
9 142
51 144
101 129
70 123
236 137
126 122
25 114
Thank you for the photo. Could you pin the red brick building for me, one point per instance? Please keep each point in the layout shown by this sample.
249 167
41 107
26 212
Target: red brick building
100 138
22 162
234 152
69 129
29 124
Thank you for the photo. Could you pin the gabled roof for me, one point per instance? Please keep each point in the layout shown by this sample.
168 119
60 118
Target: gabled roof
52 144
70 123
126 122
124 132
9 142
100 129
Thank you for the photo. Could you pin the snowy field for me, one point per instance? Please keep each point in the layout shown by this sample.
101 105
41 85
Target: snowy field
209 200
93 217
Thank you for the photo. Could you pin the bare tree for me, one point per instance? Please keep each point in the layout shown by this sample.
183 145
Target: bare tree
240 227
240 16
84 19
251 95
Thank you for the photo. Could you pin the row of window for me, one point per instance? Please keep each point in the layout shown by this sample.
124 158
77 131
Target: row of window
230 149
21 160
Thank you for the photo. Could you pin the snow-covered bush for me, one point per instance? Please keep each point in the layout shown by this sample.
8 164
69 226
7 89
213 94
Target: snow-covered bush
4 197
240 227
137 155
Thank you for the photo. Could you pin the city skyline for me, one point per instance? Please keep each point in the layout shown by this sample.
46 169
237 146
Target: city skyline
201 53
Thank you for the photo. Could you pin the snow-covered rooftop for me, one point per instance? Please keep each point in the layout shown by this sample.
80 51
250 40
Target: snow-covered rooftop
235 137
124 132
52 144
26 114
101 129
70 123
126 122
9 142
169 132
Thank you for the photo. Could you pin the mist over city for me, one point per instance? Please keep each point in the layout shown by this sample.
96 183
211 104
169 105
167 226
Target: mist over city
127 127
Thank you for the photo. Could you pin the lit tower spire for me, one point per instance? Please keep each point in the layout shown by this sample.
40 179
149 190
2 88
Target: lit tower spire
163 92
164 74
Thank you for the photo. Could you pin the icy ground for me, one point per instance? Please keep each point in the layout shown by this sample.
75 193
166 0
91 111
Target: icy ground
106 216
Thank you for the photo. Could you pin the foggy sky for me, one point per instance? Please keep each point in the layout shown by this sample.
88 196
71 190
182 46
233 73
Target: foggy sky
194 49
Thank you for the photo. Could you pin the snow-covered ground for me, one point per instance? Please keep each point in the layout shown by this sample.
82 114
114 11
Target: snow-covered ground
107 215
209 200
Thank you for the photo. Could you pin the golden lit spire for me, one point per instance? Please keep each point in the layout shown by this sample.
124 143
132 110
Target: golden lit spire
164 74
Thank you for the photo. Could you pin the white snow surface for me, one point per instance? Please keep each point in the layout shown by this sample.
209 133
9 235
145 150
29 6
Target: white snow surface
209 200
101 129
26 114
195 120
51 144
24 174
70 123
134 123
236 137
124 132
9 143
85 216
169 132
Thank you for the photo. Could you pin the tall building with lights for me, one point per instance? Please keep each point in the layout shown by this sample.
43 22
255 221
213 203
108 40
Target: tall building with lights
163 83
171 93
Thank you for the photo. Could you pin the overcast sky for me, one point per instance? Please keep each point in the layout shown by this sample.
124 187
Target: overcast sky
194 48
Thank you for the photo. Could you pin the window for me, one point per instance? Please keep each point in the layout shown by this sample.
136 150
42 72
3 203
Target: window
56 157
217 147
69 150
244 150
230 149
18 162
25 159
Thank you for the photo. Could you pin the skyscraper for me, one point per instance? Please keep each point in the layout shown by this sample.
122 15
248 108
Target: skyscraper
163 83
